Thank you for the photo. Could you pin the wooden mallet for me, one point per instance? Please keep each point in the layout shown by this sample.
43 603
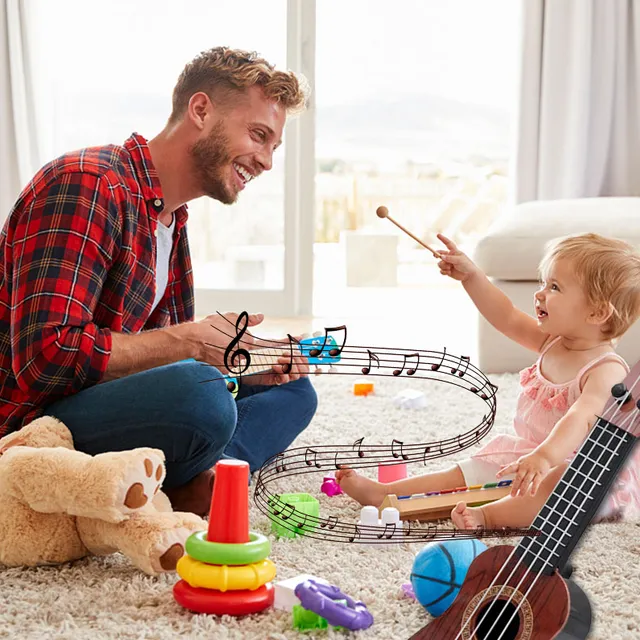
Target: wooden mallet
383 212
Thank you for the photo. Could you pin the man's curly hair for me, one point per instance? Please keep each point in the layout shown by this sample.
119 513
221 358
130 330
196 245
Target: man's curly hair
222 73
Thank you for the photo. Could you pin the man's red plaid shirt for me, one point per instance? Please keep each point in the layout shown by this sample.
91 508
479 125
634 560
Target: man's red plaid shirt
78 257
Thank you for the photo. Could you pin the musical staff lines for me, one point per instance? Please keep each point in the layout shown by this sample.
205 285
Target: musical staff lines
384 362
345 359
331 529
359 454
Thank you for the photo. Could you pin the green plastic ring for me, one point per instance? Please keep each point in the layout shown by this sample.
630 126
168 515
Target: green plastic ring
199 548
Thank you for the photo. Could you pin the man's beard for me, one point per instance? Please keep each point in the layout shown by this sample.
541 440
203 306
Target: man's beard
210 156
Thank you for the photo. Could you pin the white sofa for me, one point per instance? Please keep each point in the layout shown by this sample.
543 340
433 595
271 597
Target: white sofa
510 252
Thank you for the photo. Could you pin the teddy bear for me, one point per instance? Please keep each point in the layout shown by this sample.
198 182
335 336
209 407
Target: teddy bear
58 504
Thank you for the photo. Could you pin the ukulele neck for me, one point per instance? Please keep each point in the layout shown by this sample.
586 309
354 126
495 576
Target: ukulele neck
576 498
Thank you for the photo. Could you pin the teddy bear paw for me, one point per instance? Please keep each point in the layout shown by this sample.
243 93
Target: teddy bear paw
171 546
142 480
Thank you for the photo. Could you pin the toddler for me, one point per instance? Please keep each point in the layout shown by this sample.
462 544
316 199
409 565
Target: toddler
589 296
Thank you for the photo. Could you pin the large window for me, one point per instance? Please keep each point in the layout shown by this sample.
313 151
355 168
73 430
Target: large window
412 109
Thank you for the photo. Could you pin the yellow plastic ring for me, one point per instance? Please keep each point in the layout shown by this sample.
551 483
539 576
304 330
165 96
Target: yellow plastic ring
223 577
198 547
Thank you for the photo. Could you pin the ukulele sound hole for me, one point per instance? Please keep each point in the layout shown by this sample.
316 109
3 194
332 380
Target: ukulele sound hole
502 611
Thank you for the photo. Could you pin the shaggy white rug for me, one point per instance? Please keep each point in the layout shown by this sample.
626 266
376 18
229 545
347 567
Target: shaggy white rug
108 598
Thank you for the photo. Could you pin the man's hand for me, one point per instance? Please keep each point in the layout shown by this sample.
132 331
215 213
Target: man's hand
284 369
530 471
212 335
454 263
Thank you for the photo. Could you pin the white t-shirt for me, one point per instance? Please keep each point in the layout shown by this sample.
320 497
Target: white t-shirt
164 237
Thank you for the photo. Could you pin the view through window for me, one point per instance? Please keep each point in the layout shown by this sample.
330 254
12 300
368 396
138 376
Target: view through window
414 112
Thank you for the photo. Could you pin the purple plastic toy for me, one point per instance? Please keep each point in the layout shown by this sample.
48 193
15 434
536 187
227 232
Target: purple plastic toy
408 591
330 486
321 599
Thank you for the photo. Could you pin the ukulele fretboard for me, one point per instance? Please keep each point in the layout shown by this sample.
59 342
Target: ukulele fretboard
577 497
262 360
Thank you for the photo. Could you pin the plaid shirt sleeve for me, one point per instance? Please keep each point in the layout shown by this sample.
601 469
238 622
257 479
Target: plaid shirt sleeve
61 252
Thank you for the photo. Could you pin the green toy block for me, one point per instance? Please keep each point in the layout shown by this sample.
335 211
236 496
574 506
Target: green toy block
305 620
289 513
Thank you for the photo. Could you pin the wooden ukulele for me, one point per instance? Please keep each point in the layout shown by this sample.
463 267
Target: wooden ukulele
519 593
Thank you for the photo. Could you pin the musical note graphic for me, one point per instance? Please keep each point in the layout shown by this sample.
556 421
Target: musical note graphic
334 351
430 533
436 367
336 462
358 443
356 534
394 453
330 523
287 367
315 458
280 465
240 354
481 392
280 511
300 525
384 534
466 361
372 356
411 371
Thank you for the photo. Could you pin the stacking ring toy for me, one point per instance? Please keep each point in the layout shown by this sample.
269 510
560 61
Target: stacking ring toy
223 577
233 603
198 547
321 599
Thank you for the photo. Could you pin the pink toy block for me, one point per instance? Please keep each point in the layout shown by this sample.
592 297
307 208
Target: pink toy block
392 472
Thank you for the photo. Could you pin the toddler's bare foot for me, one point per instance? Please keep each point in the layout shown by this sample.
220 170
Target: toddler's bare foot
365 491
467 517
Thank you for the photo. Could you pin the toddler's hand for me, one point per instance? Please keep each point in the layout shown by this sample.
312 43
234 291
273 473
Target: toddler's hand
453 262
529 470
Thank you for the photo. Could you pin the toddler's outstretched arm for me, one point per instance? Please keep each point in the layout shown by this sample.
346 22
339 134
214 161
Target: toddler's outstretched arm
492 303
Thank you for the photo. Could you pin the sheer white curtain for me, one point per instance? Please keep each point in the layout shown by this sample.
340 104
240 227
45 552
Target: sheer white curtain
578 133
19 143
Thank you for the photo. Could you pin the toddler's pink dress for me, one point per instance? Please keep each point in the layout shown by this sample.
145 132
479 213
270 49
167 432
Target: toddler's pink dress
540 405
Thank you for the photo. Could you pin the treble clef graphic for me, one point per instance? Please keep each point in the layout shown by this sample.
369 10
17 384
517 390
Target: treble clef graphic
231 357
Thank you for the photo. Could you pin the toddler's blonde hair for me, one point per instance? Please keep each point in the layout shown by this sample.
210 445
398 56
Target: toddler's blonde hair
609 272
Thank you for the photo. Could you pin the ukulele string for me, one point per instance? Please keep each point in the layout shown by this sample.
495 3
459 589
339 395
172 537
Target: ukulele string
495 600
564 515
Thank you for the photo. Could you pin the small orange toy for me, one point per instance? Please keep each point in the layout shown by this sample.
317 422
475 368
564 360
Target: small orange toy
361 388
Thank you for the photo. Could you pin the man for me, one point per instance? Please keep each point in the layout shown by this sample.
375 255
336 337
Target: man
96 290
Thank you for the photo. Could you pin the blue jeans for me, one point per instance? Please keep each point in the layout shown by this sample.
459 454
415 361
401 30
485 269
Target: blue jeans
195 423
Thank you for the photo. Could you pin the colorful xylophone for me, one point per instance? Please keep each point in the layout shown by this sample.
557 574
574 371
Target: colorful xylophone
437 505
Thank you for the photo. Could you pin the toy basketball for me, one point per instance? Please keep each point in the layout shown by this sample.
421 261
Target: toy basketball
439 570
